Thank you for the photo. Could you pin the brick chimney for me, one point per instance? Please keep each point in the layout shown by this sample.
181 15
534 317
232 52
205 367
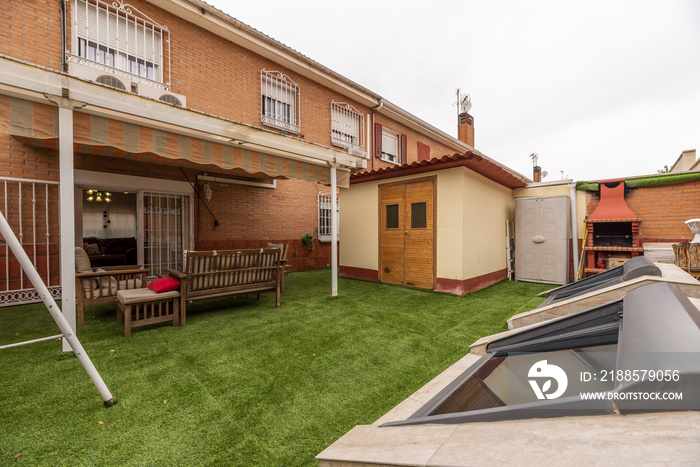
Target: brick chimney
537 174
465 129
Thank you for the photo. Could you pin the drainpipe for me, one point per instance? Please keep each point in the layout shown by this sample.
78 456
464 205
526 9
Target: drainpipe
574 228
370 149
64 65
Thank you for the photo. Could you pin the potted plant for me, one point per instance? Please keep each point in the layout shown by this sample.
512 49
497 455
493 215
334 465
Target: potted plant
308 241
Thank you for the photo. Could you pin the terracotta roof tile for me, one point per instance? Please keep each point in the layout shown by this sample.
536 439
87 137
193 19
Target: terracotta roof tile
471 160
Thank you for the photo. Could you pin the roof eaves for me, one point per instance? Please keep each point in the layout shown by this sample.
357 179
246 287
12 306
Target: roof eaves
470 159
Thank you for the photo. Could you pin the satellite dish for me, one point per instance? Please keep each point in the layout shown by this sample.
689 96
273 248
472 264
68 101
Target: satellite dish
466 103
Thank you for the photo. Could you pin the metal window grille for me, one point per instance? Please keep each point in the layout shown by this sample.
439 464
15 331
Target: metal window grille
30 207
280 101
324 217
347 128
164 231
119 39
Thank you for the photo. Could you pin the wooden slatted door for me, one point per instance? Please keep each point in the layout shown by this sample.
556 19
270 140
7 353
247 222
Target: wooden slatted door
407 233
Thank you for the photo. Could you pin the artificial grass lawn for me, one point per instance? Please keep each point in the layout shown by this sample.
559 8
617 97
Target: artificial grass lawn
244 383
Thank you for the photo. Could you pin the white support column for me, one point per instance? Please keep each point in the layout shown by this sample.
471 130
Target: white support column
334 231
67 197
67 210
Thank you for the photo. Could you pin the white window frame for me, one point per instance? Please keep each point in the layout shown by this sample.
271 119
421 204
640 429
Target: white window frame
324 217
279 97
117 38
386 155
347 128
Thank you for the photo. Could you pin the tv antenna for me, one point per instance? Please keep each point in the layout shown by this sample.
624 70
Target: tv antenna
464 102
534 158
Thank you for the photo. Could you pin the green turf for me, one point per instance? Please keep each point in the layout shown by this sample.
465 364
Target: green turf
244 383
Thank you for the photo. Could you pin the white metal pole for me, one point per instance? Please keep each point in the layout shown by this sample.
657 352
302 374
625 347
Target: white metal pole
67 214
574 228
334 231
56 314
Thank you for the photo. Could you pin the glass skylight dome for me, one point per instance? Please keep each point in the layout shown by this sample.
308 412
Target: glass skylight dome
647 343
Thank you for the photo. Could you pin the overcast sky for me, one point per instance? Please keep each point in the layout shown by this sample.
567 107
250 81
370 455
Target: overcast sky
598 89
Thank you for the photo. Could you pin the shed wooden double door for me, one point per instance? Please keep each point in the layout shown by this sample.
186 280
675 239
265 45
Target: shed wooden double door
407 232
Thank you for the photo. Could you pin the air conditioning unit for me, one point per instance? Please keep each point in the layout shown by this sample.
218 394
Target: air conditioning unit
161 95
99 75
356 152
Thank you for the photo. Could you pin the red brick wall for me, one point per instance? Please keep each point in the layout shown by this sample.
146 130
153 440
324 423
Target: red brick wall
30 30
21 161
413 138
663 210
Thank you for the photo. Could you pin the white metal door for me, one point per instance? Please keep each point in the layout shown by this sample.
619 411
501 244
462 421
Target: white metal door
542 239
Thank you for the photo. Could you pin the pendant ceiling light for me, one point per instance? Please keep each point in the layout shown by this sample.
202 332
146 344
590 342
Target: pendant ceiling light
96 195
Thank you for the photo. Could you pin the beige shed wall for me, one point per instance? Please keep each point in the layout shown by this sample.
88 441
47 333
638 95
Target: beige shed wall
450 223
359 226
487 207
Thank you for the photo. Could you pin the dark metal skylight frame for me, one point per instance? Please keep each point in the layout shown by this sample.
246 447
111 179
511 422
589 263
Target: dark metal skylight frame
632 269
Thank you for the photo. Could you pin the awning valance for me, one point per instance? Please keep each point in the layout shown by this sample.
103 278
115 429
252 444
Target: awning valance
19 117
37 124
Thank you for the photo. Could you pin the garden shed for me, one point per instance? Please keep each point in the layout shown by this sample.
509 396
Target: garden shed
438 224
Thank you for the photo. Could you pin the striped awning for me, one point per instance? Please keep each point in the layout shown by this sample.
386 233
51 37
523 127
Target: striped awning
37 124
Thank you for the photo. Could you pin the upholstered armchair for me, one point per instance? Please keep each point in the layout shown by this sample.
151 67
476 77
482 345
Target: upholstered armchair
94 286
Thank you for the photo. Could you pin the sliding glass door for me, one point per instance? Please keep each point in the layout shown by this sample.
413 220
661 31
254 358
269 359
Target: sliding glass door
166 230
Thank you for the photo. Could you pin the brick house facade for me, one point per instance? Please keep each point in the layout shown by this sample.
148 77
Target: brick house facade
267 176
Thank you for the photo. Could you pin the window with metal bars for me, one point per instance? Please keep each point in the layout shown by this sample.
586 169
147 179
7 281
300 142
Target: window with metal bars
324 217
280 101
111 35
347 127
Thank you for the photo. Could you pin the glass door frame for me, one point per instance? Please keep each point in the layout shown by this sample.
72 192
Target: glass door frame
118 182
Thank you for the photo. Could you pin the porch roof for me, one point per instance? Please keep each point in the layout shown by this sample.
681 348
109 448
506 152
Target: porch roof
115 124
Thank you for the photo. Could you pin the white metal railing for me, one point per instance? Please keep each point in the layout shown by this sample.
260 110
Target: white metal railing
280 101
347 129
30 207
118 38
324 217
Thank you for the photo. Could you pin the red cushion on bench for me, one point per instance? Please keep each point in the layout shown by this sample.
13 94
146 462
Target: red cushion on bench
164 284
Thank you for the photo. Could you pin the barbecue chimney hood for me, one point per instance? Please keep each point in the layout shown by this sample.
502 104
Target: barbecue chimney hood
612 205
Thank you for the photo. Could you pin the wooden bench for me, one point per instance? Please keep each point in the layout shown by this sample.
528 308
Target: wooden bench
216 274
